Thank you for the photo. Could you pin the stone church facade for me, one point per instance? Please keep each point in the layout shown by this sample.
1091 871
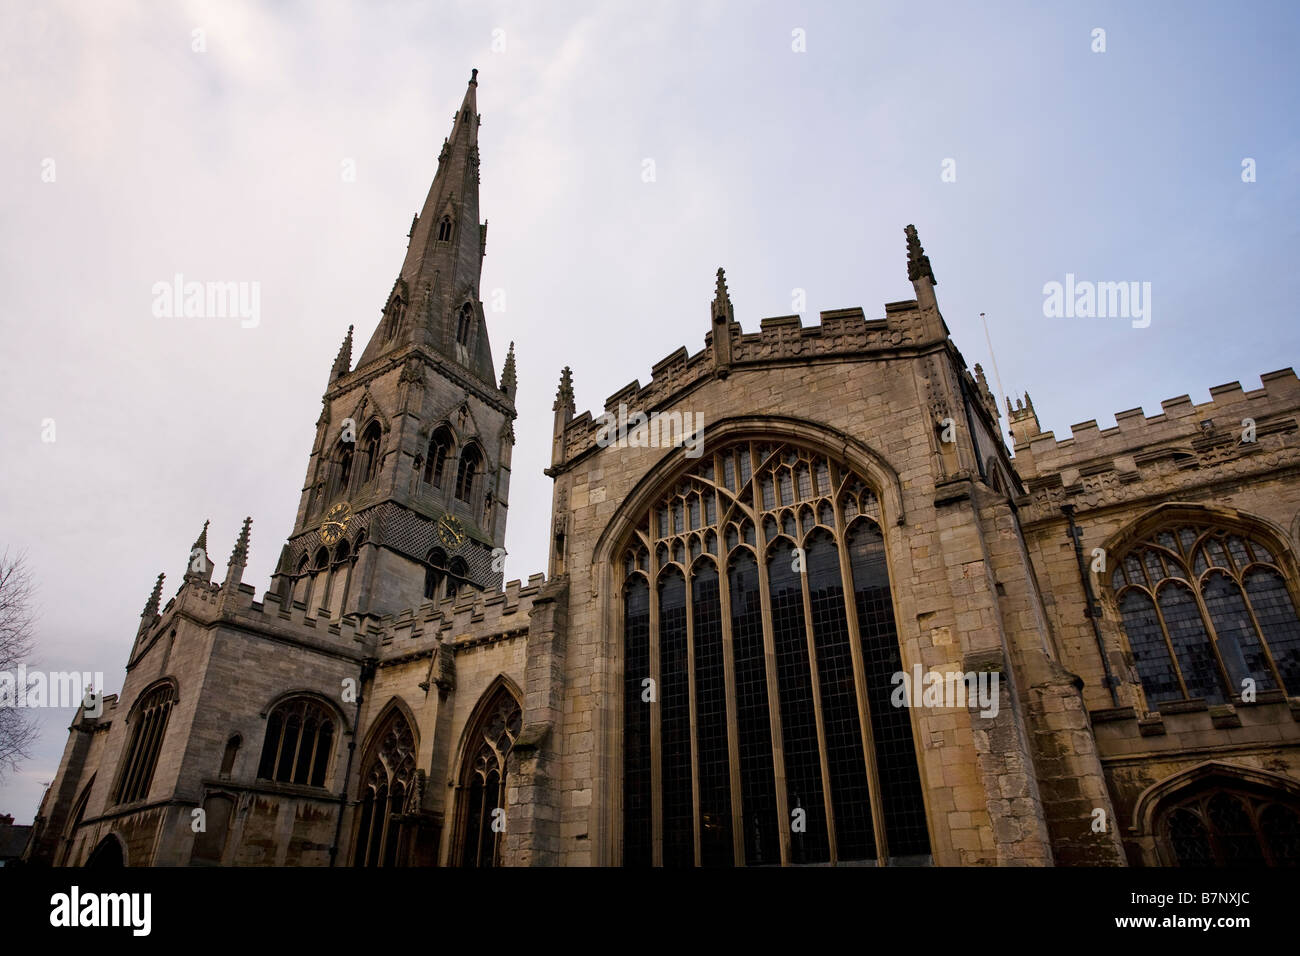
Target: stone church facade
708 673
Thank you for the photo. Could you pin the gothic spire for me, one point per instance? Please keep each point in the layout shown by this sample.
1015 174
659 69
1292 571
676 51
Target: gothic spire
438 286
564 394
723 316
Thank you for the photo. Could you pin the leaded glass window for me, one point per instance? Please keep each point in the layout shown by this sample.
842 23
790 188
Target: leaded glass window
1209 614
738 626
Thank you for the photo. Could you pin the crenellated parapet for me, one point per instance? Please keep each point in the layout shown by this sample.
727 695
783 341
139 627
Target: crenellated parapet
841 334
1236 434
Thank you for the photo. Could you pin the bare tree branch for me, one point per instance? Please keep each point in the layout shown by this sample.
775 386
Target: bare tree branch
17 725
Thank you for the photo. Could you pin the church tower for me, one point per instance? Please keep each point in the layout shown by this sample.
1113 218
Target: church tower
405 497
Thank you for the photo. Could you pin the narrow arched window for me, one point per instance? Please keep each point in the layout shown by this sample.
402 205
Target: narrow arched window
464 323
148 726
231 752
435 462
746 560
470 460
444 229
370 460
299 743
483 778
457 577
387 775
395 313
344 469
1209 614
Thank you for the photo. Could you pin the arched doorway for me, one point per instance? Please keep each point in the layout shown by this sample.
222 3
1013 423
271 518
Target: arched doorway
108 855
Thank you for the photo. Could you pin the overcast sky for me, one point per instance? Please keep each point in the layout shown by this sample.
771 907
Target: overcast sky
794 169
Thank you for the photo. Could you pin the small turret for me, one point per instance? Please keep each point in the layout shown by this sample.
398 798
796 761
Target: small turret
150 612
1024 420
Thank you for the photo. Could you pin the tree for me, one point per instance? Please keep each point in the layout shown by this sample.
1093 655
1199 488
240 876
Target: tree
17 725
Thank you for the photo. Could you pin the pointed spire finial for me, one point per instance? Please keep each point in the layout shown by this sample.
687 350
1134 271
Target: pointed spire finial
721 290
239 556
198 566
473 77
918 263
343 361
201 542
508 381
155 600
564 394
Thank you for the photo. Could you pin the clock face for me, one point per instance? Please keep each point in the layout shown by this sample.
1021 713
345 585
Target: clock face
451 532
336 522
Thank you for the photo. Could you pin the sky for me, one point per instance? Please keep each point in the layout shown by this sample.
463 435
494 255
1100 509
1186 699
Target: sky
628 151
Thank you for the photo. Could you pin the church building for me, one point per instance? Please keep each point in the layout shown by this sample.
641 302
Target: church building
819 614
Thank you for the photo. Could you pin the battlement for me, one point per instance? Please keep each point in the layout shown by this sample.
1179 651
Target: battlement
471 612
841 332
1136 438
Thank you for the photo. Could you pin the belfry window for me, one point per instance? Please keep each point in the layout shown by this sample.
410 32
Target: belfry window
758 582
370 460
465 473
1210 614
435 461
148 727
299 743
444 229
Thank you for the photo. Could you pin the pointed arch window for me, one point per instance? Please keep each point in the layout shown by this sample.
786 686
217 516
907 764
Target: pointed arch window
758 584
299 743
483 779
457 577
1209 612
370 458
344 469
470 461
396 312
148 725
386 781
1230 824
435 462
444 229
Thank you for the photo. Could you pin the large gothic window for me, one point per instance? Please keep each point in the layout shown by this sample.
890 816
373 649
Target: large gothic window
759 647
483 779
1209 614
386 781
148 725
299 742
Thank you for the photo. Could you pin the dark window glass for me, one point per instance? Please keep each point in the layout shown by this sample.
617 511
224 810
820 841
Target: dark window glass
1191 645
636 724
675 721
902 801
757 780
798 719
711 719
1150 653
